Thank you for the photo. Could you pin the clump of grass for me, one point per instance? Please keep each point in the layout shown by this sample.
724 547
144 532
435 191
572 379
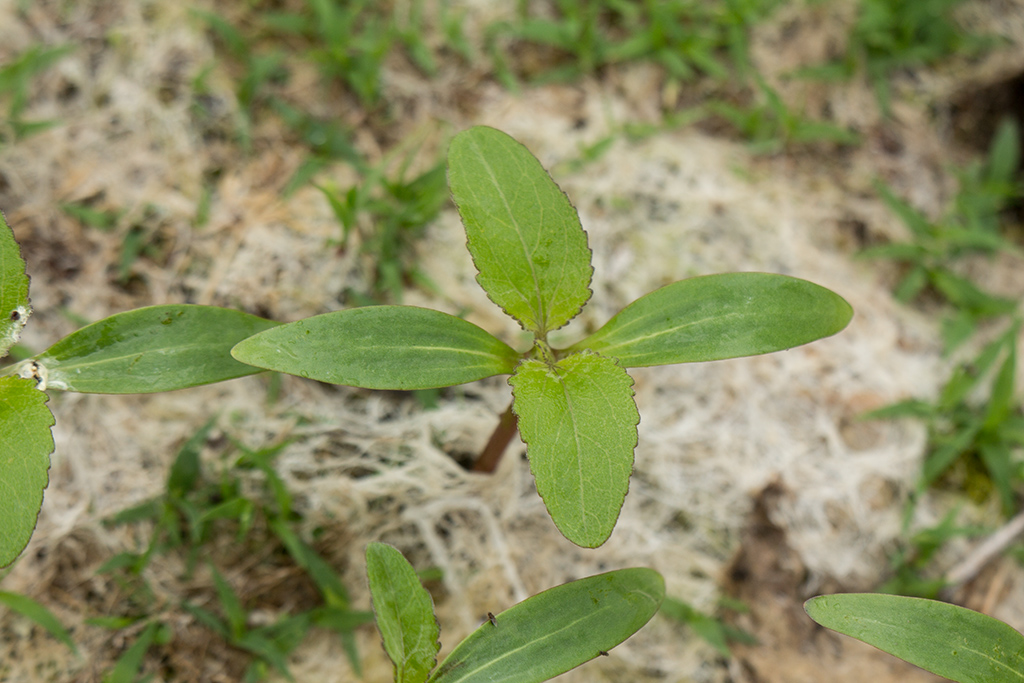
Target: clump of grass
193 521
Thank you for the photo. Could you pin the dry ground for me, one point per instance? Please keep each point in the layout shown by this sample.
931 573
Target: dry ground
753 477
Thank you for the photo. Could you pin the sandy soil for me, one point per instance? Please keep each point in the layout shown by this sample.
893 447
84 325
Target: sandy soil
753 478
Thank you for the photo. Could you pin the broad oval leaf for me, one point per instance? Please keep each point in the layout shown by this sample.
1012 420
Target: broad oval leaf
578 419
948 640
714 317
25 446
405 613
157 348
381 347
557 630
14 306
524 235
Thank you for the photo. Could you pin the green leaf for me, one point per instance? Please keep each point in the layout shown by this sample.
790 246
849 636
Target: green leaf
578 419
26 606
322 574
719 316
405 613
381 347
14 306
524 235
948 640
557 630
129 665
25 447
158 348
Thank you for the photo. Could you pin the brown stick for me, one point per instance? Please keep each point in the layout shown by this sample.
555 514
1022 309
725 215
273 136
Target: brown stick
490 456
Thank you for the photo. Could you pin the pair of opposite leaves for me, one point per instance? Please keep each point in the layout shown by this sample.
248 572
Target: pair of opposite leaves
575 406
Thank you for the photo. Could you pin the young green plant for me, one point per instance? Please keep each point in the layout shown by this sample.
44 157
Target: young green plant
536 640
159 348
574 406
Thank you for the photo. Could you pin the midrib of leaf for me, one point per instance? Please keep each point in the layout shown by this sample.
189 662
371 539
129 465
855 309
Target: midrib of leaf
85 363
592 615
579 448
652 335
550 634
542 322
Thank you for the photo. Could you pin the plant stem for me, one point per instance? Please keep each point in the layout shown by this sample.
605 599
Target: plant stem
490 456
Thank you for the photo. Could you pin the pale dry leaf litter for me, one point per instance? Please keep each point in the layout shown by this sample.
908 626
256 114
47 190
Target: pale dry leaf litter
374 466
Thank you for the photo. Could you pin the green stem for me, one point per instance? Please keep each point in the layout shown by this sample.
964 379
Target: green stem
490 456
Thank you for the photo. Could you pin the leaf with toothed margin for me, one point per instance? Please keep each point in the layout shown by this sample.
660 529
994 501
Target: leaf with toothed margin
25 447
404 612
523 233
25 421
578 419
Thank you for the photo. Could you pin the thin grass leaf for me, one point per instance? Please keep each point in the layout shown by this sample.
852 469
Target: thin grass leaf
29 608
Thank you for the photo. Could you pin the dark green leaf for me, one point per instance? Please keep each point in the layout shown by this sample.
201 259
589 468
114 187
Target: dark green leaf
158 348
948 640
557 630
381 347
719 316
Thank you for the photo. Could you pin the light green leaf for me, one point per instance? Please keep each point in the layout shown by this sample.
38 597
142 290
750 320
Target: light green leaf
578 419
158 348
948 640
405 613
524 235
27 607
25 447
714 317
381 347
14 306
557 630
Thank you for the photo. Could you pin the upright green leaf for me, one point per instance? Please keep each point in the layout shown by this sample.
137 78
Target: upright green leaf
948 640
557 630
25 447
714 317
158 348
578 419
524 235
405 613
14 306
381 347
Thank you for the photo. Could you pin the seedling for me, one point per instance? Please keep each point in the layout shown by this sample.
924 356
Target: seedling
951 641
388 215
190 519
15 79
686 39
159 348
770 125
889 35
574 406
536 640
971 226
982 437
